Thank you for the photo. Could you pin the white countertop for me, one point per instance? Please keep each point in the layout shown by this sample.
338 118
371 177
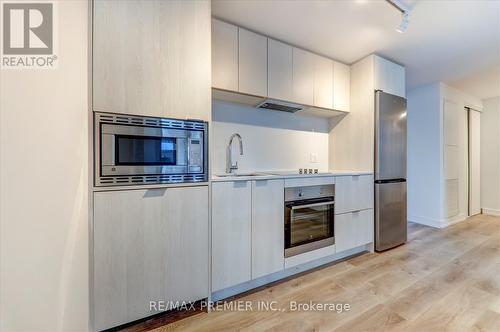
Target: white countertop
279 174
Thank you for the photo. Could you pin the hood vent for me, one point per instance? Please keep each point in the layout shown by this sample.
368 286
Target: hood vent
281 106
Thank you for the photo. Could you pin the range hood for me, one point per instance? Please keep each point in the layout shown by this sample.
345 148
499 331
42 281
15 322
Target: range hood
278 105
273 104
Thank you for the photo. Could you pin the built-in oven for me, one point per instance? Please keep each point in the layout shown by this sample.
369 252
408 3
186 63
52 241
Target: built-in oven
309 218
147 150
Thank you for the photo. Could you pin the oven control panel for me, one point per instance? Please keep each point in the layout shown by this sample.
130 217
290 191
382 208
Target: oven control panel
308 192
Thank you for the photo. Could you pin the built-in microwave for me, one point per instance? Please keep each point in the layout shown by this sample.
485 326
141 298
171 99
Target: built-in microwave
133 149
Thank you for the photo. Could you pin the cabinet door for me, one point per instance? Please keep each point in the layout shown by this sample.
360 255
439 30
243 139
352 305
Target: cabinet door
252 63
279 73
148 245
323 82
231 233
224 55
187 243
353 193
389 77
152 58
353 229
267 227
341 86
303 77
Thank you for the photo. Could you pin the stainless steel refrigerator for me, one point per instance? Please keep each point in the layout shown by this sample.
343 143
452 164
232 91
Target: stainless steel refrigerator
390 171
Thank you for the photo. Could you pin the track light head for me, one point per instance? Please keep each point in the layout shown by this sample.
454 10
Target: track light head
405 18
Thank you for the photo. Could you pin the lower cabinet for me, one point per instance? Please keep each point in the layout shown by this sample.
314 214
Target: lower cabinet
231 233
268 240
247 231
149 245
353 229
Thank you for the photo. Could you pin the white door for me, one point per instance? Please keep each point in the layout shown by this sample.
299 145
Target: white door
474 162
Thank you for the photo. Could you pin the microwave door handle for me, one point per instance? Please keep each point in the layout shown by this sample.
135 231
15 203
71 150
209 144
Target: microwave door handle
312 205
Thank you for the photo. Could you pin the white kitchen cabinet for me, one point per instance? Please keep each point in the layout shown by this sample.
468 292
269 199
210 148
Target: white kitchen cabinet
341 86
152 58
224 55
279 76
267 227
231 233
252 55
389 77
148 245
353 229
303 77
353 193
323 82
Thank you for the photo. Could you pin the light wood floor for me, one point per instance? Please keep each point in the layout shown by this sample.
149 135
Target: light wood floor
441 280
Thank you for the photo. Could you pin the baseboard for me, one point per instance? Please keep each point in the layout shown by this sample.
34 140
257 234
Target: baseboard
437 223
492 212
451 221
262 281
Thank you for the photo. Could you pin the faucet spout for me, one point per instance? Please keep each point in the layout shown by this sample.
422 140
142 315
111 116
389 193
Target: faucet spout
229 163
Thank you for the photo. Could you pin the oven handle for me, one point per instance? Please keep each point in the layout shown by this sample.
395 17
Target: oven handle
311 205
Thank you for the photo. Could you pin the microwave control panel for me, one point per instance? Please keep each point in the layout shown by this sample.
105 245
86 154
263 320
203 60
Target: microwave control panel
195 162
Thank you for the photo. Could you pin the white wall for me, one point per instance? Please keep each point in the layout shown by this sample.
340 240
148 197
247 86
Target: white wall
430 166
490 156
424 155
43 192
272 140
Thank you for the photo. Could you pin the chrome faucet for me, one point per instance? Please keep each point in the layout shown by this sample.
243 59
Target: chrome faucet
229 163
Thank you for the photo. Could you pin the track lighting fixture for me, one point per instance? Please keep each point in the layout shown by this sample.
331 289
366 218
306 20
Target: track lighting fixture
405 15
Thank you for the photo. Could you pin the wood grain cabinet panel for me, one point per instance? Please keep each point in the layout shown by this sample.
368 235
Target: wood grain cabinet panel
303 77
341 86
231 233
267 227
148 245
323 82
389 77
279 79
252 54
353 229
224 55
353 193
152 58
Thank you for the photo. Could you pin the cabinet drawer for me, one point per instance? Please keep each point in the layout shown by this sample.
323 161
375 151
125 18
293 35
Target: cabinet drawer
353 229
353 193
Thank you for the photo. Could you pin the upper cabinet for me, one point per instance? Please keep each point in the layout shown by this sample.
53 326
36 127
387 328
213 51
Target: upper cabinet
279 76
389 77
323 82
341 86
252 55
303 77
248 68
152 58
224 55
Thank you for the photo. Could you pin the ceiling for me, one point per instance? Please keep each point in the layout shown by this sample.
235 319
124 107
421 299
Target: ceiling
453 41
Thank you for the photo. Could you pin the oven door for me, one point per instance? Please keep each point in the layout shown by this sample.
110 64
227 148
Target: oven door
309 225
135 150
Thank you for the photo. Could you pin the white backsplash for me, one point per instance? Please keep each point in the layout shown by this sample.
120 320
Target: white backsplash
272 140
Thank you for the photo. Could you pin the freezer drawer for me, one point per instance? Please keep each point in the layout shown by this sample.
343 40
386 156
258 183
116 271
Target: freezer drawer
390 215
